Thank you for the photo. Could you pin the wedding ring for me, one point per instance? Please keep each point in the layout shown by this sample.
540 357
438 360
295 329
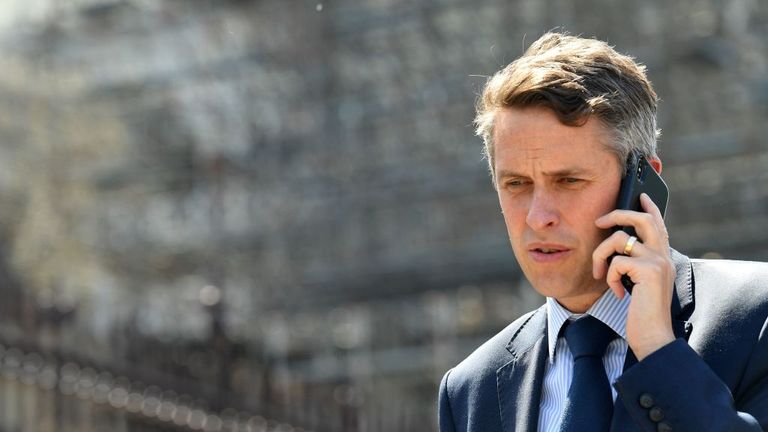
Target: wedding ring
630 244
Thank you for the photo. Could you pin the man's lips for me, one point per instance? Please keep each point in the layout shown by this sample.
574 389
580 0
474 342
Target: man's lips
547 252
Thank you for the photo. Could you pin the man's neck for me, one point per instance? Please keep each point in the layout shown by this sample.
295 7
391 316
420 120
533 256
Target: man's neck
581 303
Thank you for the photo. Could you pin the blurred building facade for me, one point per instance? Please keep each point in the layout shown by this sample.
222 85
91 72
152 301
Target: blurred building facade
274 216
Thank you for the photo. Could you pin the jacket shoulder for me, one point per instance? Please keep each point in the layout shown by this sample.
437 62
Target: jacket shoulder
730 298
730 282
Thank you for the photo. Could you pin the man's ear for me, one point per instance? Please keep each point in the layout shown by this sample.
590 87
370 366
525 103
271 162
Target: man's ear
656 164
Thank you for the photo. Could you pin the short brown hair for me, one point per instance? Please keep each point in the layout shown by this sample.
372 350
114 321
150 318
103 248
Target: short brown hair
576 78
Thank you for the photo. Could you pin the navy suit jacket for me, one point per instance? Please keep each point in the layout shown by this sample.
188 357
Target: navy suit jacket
713 377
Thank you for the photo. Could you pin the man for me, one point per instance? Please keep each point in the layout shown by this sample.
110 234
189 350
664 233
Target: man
686 351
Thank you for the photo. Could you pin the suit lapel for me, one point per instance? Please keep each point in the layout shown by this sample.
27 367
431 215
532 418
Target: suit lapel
682 301
519 382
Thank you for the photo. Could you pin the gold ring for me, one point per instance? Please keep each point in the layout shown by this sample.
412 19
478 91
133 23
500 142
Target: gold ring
630 244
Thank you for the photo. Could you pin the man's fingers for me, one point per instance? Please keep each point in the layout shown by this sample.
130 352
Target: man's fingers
616 243
620 265
651 208
649 226
643 223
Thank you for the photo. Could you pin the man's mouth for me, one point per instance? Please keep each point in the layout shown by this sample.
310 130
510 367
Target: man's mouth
548 250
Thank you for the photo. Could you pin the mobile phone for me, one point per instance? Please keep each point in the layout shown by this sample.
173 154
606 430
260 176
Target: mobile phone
639 177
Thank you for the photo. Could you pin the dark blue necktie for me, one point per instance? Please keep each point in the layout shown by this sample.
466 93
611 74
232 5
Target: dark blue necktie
589 406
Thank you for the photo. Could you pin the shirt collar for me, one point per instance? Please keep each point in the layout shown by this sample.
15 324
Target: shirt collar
608 309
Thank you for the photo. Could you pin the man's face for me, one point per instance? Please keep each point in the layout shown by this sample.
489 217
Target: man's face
553 182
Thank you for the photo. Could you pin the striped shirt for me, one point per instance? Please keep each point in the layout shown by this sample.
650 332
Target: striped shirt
559 369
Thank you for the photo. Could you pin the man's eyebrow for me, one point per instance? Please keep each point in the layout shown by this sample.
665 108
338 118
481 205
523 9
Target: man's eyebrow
564 172
509 173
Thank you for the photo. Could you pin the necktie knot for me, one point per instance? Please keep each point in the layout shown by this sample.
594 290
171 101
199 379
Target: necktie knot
588 337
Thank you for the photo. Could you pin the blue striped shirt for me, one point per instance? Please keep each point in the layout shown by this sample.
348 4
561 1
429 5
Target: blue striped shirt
559 369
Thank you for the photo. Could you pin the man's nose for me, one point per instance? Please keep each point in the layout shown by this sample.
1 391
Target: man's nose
543 211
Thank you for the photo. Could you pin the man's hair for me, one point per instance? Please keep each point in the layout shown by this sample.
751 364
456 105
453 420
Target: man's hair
576 78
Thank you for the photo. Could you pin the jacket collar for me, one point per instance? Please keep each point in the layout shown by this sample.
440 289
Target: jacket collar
682 302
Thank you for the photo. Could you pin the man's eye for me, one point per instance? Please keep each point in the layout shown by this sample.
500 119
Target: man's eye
570 180
515 183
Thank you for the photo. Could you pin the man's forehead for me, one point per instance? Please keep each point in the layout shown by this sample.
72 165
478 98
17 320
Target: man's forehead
564 162
558 158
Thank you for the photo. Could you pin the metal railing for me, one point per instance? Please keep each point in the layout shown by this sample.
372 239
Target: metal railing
43 392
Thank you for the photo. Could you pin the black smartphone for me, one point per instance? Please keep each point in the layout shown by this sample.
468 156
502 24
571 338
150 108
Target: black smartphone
640 177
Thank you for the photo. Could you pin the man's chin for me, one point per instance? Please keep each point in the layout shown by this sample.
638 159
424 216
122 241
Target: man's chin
552 289
564 286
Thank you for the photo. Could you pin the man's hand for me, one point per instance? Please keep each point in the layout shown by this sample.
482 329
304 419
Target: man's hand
649 324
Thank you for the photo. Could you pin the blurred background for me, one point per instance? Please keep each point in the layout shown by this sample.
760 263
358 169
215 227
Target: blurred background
260 216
